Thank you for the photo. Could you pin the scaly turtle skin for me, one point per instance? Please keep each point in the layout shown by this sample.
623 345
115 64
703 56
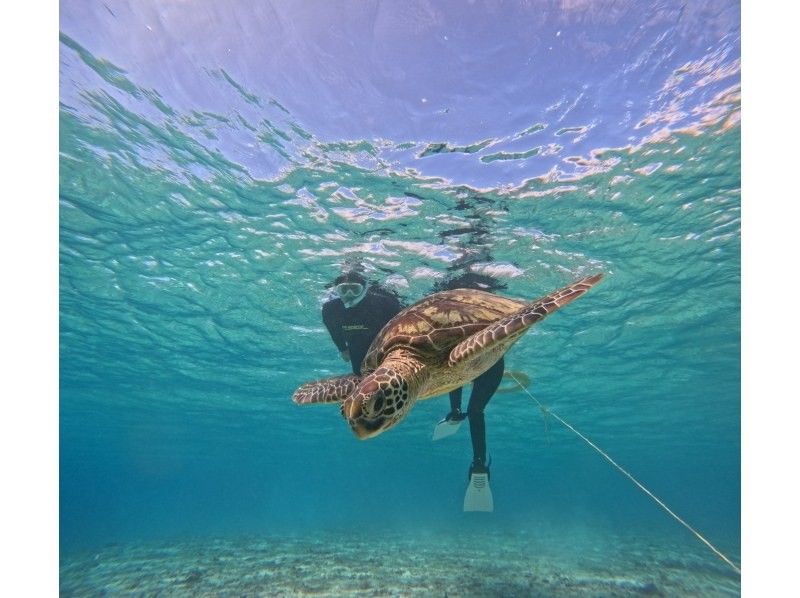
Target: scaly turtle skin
440 343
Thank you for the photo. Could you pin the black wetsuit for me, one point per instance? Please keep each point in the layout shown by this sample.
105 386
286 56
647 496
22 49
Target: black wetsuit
483 387
354 328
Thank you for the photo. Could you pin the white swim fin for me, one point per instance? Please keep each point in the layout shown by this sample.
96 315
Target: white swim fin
445 428
479 494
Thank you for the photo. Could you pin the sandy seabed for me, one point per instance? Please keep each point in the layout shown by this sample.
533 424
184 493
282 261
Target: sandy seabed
452 564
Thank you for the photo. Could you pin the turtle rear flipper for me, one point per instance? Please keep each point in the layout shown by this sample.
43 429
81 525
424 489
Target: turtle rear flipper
327 390
510 328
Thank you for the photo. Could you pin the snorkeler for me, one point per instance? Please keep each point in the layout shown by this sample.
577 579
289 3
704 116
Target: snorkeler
355 317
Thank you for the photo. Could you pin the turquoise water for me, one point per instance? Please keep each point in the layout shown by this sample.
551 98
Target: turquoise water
196 244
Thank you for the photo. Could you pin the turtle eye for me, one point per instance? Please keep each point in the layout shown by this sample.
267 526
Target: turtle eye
373 405
377 403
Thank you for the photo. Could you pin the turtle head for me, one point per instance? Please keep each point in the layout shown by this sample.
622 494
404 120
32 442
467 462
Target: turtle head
380 401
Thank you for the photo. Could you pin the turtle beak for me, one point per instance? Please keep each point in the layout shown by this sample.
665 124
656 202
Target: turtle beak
366 428
362 426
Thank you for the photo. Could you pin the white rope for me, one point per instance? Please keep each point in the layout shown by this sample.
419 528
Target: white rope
658 501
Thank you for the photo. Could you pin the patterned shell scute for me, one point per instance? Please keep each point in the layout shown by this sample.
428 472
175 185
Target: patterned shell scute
437 323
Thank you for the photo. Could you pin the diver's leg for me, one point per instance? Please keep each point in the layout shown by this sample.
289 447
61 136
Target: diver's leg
455 404
452 421
483 387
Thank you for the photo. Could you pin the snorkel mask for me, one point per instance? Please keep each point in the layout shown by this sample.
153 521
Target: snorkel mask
351 292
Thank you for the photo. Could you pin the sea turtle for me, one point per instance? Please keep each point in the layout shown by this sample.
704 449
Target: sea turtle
441 342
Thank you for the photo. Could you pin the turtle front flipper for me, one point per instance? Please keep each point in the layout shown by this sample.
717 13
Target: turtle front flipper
507 330
327 390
